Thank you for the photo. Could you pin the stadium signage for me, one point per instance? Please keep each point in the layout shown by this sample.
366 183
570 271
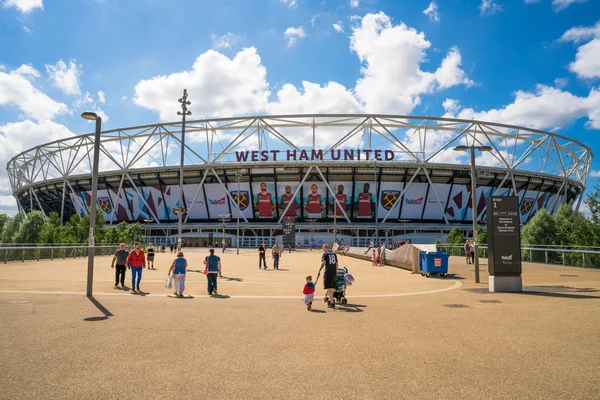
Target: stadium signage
315 155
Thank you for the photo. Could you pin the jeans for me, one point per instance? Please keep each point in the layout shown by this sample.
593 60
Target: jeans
180 286
136 271
261 257
275 261
120 274
212 282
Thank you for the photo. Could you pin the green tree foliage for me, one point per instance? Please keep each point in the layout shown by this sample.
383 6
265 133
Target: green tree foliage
11 228
456 237
540 230
30 228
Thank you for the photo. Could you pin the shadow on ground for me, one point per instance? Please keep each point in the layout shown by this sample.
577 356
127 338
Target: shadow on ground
102 309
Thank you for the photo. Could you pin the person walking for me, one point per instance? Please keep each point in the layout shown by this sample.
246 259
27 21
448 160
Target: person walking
137 261
262 249
150 256
213 267
276 253
179 267
371 245
121 259
329 261
467 248
472 250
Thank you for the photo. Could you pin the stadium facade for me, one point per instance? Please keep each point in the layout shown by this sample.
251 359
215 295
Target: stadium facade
365 175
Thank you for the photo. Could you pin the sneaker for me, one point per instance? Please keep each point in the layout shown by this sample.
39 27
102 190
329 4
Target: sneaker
138 288
210 293
133 289
215 292
116 286
308 306
180 295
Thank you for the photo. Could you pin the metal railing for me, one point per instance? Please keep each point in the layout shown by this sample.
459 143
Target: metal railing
32 253
574 256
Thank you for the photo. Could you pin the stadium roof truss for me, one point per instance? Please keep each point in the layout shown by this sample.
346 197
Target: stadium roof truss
419 143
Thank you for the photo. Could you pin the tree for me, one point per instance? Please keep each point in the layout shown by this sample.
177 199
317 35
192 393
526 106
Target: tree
540 230
11 228
593 202
29 229
456 237
4 219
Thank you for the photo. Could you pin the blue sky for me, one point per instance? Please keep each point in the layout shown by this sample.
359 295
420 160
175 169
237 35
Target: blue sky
506 61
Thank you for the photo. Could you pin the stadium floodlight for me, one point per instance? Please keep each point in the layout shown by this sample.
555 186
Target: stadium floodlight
475 214
91 116
184 112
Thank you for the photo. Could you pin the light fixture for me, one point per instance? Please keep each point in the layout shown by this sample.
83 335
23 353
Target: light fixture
89 116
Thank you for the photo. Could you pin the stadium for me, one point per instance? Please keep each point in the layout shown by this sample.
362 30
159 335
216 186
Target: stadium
364 176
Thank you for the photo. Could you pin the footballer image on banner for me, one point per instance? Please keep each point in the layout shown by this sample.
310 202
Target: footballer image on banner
364 201
286 194
343 197
264 200
314 202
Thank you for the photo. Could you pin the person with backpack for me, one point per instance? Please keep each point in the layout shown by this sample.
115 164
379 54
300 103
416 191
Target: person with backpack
212 270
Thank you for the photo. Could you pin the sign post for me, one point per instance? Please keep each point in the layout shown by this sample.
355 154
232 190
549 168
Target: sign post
289 233
504 244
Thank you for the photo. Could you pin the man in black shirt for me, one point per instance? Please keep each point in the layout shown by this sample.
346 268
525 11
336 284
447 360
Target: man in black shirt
261 255
121 258
329 261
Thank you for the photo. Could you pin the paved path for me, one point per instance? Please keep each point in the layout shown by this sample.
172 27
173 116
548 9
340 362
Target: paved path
258 341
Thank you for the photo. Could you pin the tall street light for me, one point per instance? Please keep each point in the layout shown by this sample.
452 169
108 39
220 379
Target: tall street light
91 244
238 175
147 221
312 233
404 221
475 215
184 112
224 217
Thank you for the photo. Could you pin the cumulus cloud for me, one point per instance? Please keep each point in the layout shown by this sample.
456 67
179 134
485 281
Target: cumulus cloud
24 6
432 12
101 97
489 7
595 174
546 108
292 34
87 103
560 5
290 3
65 77
392 80
217 85
339 26
587 59
354 3
17 89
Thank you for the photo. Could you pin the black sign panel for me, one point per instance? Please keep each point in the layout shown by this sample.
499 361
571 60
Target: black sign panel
289 232
504 236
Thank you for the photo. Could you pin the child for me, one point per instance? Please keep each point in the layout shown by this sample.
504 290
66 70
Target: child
309 292
374 257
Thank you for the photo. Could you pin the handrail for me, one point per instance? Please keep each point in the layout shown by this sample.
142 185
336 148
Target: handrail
558 250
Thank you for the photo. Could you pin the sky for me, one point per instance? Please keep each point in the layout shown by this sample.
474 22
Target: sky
527 62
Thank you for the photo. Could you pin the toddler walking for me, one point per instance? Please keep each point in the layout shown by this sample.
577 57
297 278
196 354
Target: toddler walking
309 292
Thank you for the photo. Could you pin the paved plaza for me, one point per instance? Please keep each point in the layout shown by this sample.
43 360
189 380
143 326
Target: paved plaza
401 336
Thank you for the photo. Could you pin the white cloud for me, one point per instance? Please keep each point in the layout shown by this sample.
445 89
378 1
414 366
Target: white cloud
27 29
587 59
489 7
531 1
292 34
432 12
24 6
560 5
561 82
354 3
225 41
101 97
339 26
290 3
236 86
547 108
595 174
330 98
392 80
124 98
17 89
64 77
87 103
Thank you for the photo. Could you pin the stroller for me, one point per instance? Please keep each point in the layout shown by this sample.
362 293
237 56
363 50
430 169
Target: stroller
343 279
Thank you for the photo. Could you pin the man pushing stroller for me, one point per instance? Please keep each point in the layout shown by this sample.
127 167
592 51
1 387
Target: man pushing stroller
329 261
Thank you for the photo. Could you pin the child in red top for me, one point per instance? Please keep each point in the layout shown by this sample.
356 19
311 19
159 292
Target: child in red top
309 292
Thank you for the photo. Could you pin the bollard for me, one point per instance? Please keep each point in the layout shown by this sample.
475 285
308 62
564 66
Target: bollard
530 255
5 256
546 256
583 254
563 258
38 254
52 253
23 256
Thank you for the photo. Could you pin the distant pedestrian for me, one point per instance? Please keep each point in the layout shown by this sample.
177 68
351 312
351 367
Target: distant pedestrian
137 261
467 247
371 245
150 256
171 248
374 257
179 268
213 266
262 249
472 250
121 260
309 292
276 253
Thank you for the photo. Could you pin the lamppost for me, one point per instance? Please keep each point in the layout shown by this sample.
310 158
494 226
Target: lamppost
147 221
238 175
404 221
475 215
184 112
224 217
334 227
91 244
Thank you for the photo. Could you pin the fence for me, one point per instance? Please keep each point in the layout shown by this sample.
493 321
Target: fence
23 254
569 256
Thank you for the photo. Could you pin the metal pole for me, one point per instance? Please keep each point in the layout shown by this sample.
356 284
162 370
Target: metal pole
334 226
91 244
474 212
223 237
183 113
239 174
376 206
